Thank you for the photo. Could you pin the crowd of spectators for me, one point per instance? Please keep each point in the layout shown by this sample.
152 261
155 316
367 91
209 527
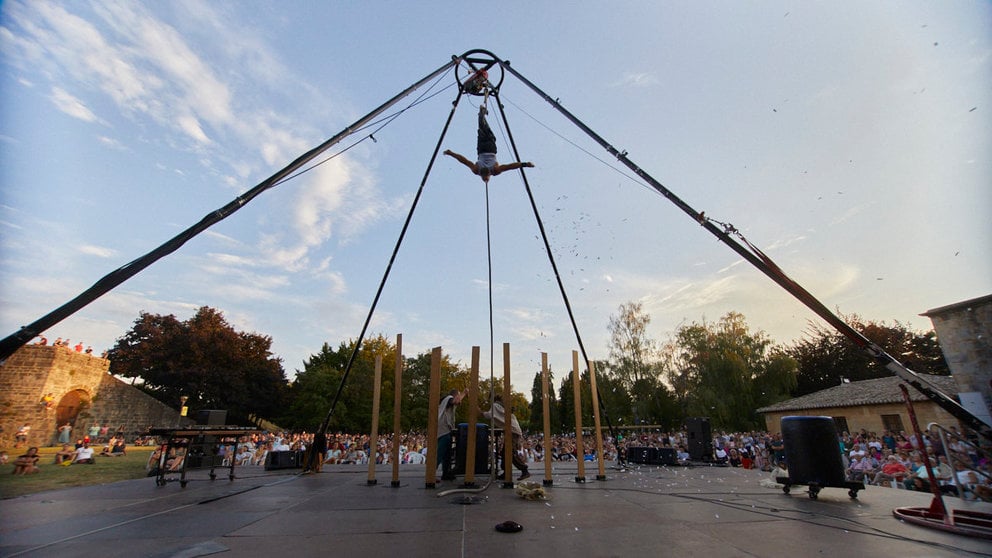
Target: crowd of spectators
896 460
67 345
890 459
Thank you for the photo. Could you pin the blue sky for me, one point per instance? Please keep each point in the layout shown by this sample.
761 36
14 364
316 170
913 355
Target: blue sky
850 143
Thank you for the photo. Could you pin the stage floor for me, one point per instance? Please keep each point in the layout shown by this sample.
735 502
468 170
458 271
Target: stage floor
643 511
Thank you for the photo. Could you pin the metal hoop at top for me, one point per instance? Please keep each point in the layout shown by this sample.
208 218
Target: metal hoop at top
476 78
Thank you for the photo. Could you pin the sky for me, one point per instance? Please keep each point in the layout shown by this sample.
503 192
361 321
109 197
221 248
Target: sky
851 143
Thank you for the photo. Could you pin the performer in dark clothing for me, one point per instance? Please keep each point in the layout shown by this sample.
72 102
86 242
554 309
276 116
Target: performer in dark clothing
486 164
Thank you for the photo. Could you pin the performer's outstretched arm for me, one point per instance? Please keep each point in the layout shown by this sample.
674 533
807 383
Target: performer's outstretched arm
512 166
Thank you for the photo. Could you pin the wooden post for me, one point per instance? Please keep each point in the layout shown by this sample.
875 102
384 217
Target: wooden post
546 406
473 417
434 400
507 421
374 435
577 403
595 414
397 403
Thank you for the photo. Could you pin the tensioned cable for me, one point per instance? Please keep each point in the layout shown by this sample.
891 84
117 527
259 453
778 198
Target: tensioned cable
492 356
508 139
551 259
766 265
386 120
313 458
605 163
14 341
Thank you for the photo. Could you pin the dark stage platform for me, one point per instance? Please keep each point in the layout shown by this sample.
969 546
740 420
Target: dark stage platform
644 511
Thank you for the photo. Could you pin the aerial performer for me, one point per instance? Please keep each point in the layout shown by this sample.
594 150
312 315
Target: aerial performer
486 165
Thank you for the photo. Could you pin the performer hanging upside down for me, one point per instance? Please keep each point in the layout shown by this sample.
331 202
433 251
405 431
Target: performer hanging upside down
486 165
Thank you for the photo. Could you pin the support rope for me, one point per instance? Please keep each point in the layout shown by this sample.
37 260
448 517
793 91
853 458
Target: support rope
764 264
314 458
14 341
551 259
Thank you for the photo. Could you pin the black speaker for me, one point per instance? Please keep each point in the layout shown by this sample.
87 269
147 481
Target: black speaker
283 460
643 455
811 450
211 417
667 456
481 449
700 438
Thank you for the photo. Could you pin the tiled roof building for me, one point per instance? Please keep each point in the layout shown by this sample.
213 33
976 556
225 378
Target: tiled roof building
873 405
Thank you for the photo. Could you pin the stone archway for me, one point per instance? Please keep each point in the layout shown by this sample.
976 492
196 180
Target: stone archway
70 406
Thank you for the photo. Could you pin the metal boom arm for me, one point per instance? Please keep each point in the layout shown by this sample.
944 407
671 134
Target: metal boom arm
14 341
768 267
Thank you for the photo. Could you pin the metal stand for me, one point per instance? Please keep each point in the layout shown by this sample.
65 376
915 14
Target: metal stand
937 516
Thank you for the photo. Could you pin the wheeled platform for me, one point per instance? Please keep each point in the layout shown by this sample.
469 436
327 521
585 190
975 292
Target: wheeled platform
815 487
200 447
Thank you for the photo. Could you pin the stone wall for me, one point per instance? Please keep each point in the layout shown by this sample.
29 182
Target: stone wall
965 334
83 392
119 403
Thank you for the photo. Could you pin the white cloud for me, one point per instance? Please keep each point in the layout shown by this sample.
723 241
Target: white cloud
320 198
231 259
71 105
222 237
112 143
151 70
98 251
191 126
636 79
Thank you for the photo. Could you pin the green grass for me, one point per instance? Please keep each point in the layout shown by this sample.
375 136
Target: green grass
54 477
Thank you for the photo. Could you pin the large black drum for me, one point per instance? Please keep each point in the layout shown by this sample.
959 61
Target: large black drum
481 449
812 451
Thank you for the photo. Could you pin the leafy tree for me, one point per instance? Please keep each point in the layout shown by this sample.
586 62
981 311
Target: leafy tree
536 423
656 404
776 380
728 371
312 394
631 350
416 389
566 404
679 374
824 355
204 359
629 384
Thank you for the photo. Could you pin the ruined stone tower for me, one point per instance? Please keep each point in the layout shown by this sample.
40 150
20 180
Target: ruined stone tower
83 394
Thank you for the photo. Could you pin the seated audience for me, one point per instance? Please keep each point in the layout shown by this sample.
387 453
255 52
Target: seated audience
64 456
84 455
117 448
892 471
27 463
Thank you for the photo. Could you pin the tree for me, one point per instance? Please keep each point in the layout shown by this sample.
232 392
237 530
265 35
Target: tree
628 383
679 374
631 350
536 423
204 359
726 372
825 356
313 391
656 404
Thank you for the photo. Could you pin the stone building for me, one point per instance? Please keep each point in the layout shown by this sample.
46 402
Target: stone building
965 333
83 394
872 405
